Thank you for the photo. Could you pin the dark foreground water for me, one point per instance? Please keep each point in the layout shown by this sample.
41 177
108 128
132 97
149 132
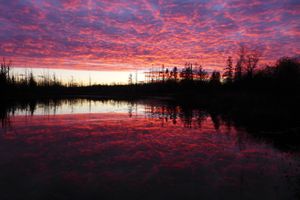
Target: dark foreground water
119 150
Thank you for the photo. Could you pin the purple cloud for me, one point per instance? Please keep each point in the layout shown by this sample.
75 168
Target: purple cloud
139 34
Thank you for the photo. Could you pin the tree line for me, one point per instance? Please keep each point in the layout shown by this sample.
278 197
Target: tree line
28 80
286 71
242 73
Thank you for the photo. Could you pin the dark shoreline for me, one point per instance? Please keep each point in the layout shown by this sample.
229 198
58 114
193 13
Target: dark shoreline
270 115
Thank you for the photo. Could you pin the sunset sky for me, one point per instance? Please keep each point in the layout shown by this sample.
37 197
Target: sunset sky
126 35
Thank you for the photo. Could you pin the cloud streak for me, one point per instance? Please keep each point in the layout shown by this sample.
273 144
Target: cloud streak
125 35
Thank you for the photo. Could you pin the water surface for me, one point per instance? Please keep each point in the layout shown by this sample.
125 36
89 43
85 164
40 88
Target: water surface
84 149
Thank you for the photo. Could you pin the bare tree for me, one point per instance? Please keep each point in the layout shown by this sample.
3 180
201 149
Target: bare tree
239 68
247 63
201 73
252 61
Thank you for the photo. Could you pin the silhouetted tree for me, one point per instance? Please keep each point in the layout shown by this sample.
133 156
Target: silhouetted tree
174 73
187 73
4 72
287 70
13 80
130 79
238 71
163 73
167 74
201 73
31 81
228 74
252 60
215 77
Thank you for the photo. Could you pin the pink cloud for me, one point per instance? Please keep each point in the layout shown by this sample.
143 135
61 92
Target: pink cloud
122 35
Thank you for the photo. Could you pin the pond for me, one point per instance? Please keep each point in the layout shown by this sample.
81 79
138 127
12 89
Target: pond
83 149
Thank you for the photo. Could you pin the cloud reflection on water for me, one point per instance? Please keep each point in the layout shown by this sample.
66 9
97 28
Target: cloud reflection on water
159 152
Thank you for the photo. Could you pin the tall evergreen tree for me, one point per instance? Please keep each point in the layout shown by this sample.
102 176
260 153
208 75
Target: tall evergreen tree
228 74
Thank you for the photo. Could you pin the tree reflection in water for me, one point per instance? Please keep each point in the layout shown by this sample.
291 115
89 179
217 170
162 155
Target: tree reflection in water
111 149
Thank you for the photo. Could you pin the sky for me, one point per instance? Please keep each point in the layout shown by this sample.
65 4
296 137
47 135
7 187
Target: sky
128 35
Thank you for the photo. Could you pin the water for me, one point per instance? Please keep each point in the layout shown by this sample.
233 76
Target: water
84 149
